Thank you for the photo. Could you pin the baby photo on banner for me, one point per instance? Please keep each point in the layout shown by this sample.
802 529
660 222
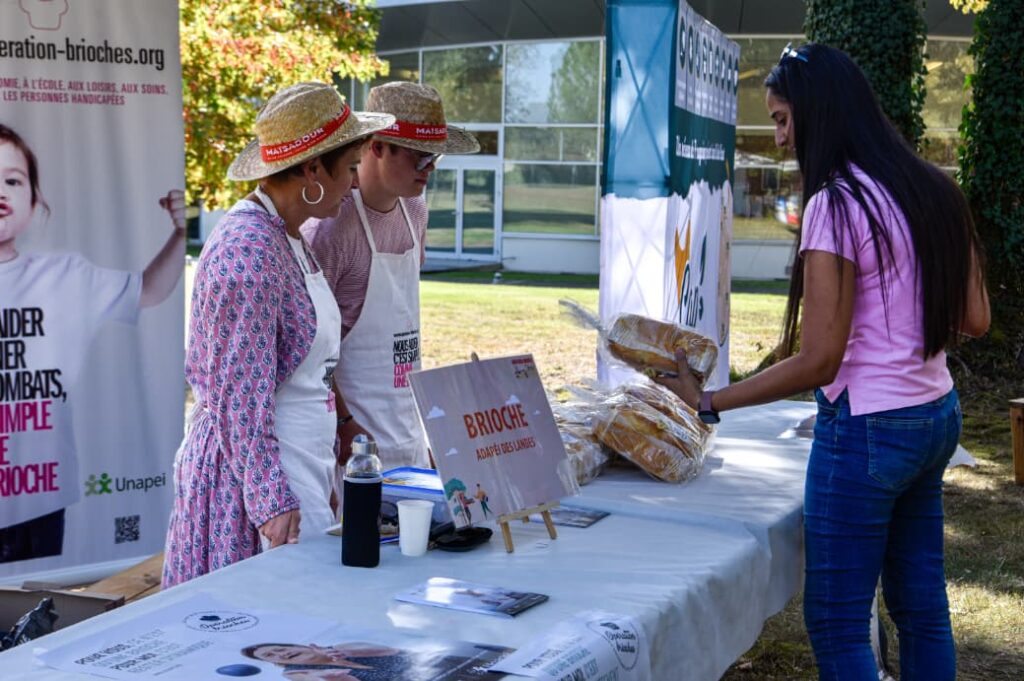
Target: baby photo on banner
91 297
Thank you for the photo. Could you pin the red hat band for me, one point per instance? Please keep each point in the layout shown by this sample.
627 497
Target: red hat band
416 131
271 153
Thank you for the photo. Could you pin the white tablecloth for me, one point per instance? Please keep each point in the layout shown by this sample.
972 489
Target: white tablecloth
753 479
699 565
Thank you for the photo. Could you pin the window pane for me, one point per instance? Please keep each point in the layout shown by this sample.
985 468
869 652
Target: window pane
766 192
478 211
551 144
404 66
531 144
948 65
469 80
757 148
550 198
488 140
579 144
757 57
441 204
553 82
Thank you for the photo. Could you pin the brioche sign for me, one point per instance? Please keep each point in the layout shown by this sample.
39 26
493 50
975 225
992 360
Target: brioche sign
493 437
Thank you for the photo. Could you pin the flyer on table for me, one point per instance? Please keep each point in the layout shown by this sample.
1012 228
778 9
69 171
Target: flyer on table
91 353
493 437
592 645
204 638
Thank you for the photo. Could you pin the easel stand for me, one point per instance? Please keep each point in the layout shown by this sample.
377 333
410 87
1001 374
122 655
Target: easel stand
545 513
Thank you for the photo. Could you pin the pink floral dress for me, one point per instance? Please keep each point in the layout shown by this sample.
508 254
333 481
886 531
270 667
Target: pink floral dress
252 324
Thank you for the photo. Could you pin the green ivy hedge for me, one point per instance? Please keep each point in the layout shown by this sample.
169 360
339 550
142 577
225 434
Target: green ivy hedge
886 38
991 173
992 137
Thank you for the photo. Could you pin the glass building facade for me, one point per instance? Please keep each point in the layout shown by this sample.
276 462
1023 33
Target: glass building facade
537 108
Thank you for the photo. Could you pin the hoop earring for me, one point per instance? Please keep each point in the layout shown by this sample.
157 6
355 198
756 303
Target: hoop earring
313 203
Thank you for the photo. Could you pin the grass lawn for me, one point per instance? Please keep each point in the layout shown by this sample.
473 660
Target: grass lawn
984 509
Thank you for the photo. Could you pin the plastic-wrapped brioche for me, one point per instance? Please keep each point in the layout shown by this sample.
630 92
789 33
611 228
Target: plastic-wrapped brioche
671 406
587 456
654 442
644 342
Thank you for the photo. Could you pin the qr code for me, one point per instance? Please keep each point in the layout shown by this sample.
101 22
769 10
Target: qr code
126 528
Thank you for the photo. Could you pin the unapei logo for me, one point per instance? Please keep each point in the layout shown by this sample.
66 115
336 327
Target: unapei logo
44 15
104 484
100 485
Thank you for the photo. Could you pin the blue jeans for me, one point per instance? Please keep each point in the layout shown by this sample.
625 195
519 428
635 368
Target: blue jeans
873 505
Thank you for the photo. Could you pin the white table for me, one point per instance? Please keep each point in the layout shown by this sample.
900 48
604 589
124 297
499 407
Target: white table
753 479
700 580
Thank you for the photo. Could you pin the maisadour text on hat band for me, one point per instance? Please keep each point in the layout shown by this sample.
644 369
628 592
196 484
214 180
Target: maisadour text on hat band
285 150
416 131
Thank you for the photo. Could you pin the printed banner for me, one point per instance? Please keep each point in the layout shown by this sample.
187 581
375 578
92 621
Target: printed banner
665 249
91 389
702 136
493 437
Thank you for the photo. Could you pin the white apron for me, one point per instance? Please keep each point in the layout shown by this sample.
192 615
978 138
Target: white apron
305 417
382 348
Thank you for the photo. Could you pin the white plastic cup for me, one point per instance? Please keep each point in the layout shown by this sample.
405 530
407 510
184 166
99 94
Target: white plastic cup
414 525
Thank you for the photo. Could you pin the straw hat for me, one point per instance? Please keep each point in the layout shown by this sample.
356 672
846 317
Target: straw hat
420 120
299 123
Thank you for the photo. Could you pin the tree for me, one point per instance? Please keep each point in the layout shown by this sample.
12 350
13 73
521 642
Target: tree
236 53
992 176
886 38
966 6
573 96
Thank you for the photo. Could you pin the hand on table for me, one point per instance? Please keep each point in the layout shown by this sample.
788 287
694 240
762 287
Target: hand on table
282 529
684 384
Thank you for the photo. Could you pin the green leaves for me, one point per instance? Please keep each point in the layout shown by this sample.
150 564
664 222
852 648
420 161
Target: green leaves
991 156
992 129
886 38
236 53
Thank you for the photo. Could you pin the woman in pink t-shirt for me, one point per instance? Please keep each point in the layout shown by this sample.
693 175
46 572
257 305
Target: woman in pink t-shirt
889 274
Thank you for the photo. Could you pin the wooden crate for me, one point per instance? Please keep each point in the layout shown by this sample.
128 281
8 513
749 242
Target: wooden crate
134 583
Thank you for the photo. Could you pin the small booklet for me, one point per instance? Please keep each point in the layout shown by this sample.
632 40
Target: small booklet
571 517
458 595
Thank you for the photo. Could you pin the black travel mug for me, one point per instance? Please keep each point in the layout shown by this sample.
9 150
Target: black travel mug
360 519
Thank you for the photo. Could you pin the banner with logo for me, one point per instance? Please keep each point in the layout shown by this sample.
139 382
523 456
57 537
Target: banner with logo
702 145
91 302
666 213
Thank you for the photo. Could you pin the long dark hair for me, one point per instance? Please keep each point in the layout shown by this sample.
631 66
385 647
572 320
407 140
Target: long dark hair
838 123
9 136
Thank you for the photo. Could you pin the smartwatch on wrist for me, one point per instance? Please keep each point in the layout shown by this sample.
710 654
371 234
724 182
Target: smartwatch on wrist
705 412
